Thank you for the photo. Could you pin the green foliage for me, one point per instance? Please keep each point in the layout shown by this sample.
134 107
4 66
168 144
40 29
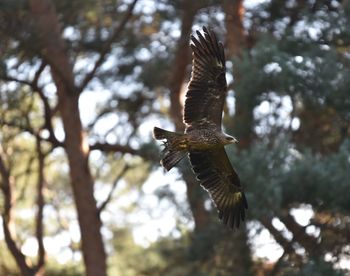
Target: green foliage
261 168
131 259
300 53
320 181
69 269
7 264
314 268
278 177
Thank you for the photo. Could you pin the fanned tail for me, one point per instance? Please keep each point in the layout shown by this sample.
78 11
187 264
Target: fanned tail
160 134
173 152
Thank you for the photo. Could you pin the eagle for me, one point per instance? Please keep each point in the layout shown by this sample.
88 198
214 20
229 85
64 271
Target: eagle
203 140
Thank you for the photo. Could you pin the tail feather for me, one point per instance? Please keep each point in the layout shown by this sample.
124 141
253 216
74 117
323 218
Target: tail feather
172 155
160 134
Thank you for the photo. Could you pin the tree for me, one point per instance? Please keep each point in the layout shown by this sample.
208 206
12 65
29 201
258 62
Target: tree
287 105
50 50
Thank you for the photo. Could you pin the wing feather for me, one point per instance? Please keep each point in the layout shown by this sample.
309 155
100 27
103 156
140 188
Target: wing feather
216 175
207 89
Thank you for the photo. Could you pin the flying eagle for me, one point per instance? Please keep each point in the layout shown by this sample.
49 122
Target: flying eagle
203 139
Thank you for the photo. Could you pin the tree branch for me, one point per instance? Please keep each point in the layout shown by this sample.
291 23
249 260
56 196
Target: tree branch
10 78
40 212
6 186
47 109
277 235
106 147
286 245
115 183
38 73
54 142
298 235
107 47
308 242
48 114
48 119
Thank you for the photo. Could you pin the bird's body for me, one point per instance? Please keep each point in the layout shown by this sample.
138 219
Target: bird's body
203 139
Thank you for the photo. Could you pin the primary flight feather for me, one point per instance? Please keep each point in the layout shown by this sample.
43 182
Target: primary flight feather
203 140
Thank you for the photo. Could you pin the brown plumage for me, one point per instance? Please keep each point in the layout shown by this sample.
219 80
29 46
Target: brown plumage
207 89
203 139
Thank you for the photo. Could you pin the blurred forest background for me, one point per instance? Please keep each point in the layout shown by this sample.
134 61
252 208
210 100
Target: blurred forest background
82 83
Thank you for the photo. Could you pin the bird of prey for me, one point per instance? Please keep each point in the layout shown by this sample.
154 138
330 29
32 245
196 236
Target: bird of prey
203 140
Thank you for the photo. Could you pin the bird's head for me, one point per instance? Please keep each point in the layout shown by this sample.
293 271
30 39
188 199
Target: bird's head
230 139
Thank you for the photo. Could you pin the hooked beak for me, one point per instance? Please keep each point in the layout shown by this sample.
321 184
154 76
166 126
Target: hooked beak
231 140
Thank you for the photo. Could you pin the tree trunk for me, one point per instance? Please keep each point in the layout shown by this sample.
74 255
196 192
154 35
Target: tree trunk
235 44
76 145
196 199
235 40
182 59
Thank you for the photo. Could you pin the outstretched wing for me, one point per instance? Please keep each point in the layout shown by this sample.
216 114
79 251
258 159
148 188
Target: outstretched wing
207 88
215 173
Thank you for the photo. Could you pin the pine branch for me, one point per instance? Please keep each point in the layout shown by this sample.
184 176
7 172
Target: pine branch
114 186
48 114
107 47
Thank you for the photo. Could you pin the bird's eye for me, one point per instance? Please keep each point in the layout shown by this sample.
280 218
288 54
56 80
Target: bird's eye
229 138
